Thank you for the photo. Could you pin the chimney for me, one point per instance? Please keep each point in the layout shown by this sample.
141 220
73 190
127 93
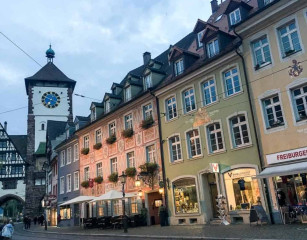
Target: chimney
5 125
146 57
214 6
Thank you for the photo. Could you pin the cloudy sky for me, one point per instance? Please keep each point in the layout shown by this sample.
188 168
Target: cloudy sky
96 43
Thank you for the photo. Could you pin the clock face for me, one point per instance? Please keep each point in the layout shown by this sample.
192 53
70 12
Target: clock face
51 99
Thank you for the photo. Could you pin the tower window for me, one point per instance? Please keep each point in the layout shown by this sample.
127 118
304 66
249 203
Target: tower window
43 126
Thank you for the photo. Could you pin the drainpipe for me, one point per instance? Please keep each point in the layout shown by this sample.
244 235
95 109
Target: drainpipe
161 152
254 123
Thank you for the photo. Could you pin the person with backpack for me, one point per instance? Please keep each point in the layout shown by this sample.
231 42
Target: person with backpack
8 230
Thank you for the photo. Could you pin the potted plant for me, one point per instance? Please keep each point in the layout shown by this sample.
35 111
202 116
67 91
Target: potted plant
131 172
85 184
149 171
85 151
111 139
113 177
97 146
147 123
127 133
98 179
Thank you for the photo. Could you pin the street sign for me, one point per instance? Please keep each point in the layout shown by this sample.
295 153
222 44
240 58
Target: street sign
215 167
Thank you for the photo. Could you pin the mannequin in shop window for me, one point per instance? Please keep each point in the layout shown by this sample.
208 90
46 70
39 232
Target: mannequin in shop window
281 197
241 183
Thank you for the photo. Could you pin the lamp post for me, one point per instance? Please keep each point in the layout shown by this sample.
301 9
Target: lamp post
45 168
123 179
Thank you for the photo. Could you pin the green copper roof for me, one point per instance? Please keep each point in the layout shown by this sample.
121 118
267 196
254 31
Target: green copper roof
50 53
41 150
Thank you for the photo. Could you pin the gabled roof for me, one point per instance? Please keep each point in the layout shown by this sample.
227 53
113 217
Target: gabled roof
180 51
96 104
50 73
114 85
233 4
20 142
199 26
55 129
111 95
82 118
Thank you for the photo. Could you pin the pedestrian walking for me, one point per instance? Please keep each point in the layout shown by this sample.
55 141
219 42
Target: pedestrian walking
42 220
25 220
29 222
35 220
8 230
59 219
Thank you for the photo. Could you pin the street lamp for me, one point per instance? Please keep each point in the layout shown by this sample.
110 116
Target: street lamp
123 179
137 182
45 168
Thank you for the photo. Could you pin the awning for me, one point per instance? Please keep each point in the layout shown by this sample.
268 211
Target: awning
113 194
283 170
79 199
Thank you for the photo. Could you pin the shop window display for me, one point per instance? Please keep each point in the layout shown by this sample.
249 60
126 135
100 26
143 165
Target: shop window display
185 196
242 190
65 212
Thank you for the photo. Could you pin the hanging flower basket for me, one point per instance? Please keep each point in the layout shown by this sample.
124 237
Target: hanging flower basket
111 139
98 179
85 151
113 177
131 172
147 123
128 133
97 146
85 184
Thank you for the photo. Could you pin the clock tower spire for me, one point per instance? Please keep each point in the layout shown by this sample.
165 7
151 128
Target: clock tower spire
50 54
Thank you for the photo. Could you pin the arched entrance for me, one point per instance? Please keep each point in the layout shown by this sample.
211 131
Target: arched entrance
11 207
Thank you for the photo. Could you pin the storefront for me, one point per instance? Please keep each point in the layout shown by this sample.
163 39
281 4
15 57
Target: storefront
287 172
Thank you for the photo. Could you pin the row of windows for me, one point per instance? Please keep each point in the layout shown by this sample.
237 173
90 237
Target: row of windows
130 158
232 84
69 183
128 123
240 136
66 158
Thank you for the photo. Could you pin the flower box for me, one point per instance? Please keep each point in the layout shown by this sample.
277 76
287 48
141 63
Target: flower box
127 133
131 172
147 123
85 151
113 177
111 139
98 179
85 184
97 146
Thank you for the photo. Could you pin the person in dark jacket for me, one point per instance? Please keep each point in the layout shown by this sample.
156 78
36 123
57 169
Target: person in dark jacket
25 222
35 220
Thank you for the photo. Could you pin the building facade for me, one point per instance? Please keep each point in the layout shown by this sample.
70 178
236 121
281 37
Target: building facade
274 43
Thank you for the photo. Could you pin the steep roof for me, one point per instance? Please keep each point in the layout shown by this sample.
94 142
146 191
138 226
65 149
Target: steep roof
55 129
20 142
41 150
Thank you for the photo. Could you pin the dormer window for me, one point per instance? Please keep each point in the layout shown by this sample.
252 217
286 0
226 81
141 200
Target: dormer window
235 17
213 48
178 65
267 1
93 114
108 106
147 82
199 37
67 133
127 94
77 126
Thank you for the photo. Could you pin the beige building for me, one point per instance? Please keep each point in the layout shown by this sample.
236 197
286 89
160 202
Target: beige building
274 42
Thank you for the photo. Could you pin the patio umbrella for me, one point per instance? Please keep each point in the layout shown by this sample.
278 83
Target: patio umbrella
113 194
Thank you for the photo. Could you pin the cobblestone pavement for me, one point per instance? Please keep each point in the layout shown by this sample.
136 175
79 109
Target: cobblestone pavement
285 232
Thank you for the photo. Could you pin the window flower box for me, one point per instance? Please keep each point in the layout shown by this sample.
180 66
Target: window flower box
85 151
127 133
113 177
147 123
97 146
111 139
85 184
98 179
131 172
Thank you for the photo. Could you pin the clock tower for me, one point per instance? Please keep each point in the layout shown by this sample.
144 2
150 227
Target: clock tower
49 98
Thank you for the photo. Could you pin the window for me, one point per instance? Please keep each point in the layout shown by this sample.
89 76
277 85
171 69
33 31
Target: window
68 155
76 181
235 16
134 205
194 146
239 131
171 107
151 153
178 65
128 94
261 51
43 127
199 38
267 1
175 148
128 121
219 18
62 186
68 182
113 165
108 106
272 112
130 159
65 212
209 92
112 129
67 133
99 169
98 135
93 114
289 39
215 139
86 173
147 82
62 158
232 82
189 100
116 207
86 141
40 181
76 152
300 102
147 111
213 48
185 196
242 190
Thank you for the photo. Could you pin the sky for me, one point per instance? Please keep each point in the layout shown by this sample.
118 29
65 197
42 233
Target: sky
96 43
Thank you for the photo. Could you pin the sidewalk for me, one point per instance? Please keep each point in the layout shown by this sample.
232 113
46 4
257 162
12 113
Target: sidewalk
287 232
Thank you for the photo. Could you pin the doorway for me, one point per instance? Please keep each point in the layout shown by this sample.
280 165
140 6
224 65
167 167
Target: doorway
154 202
213 193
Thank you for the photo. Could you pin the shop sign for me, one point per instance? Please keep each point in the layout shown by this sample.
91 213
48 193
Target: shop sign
215 167
292 155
